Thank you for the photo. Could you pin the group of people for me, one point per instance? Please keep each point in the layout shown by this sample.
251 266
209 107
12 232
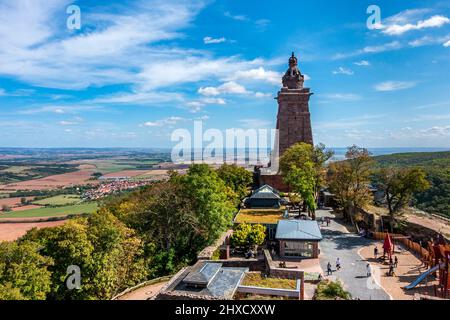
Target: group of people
329 268
393 263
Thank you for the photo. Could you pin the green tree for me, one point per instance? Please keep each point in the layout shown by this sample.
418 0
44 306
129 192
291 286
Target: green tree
213 201
237 178
24 273
349 180
399 186
257 235
108 253
299 172
331 290
246 235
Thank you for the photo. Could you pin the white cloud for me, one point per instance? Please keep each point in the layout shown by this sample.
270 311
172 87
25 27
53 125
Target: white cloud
230 87
238 17
108 51
342 96
394 85
210 40
436 131
258 74
382 48
164 122
62 109
447 44
362 63
143 97
389 46
435 21
342 70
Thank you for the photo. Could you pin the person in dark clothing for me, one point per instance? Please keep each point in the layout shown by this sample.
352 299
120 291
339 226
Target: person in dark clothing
375 252
329 270
395 262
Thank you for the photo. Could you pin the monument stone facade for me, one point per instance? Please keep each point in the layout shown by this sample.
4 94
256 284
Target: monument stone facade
293 120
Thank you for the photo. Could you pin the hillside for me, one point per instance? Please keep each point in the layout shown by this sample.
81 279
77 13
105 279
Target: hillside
437 167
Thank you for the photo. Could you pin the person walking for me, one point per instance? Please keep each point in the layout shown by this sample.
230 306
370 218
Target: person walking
338 264
369 270
375 252
329 270
395 262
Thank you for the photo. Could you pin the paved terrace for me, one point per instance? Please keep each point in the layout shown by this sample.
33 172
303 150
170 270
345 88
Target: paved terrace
338 242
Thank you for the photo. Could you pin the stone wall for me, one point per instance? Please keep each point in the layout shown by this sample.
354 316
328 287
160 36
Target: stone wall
207 253
280 272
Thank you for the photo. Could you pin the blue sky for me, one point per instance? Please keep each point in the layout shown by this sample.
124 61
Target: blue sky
136 70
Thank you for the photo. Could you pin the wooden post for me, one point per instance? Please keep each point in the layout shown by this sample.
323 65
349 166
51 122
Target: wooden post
302 286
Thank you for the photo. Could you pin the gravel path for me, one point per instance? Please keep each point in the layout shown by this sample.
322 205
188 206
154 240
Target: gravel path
339 243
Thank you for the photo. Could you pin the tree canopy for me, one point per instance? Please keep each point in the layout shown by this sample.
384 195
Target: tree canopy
303 169
349 180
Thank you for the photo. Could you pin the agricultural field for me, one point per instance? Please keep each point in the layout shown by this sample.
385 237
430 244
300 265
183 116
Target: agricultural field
89 207
60 200
80 177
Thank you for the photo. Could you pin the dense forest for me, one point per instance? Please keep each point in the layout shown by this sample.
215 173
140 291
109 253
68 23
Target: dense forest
437 167
147 233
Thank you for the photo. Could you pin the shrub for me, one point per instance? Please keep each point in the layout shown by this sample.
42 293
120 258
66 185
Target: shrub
331 290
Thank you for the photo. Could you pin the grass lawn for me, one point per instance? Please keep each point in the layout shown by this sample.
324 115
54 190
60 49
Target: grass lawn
263 216
255 279
60 200
89 207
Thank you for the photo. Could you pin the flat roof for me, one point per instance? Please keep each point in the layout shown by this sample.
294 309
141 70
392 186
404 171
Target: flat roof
262 216
298 230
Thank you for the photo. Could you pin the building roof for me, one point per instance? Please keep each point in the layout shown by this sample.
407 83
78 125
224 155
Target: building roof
298 230
203 275
265 192
221 282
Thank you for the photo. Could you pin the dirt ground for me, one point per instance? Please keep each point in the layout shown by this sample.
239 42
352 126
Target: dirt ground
13 231
409 268
430 222
13 202
143 293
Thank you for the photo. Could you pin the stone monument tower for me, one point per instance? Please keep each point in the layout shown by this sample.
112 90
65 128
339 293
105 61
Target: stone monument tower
294 119
293 122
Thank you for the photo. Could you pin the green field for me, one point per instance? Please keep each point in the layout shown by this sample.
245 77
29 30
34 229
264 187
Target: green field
53 212
60 200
